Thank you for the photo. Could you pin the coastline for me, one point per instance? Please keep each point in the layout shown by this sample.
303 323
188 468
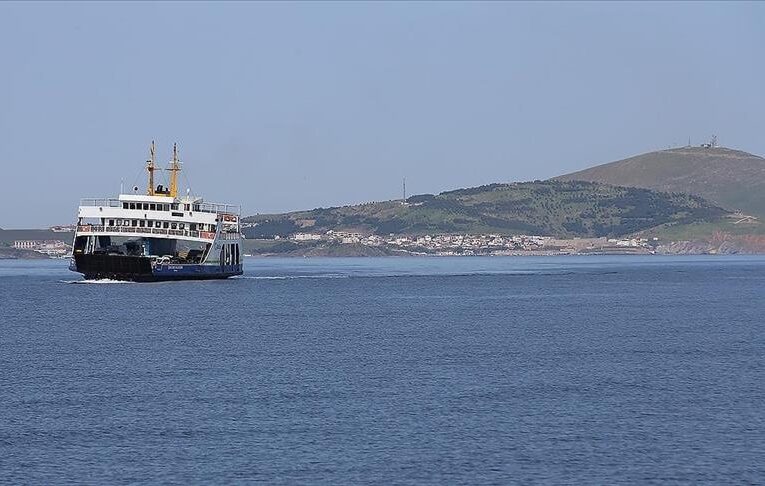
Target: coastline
279 248
553 247
17 254
676 250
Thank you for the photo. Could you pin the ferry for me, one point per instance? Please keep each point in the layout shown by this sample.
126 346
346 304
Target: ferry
157 236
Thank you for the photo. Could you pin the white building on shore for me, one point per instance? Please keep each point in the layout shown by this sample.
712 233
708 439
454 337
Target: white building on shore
48 247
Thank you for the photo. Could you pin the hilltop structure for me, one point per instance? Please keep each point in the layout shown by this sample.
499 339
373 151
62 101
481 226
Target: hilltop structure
730 178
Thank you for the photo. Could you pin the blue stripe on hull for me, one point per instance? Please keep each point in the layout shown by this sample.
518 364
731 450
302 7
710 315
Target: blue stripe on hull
194 271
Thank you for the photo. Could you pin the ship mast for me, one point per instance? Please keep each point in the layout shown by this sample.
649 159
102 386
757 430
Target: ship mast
175 167
150 167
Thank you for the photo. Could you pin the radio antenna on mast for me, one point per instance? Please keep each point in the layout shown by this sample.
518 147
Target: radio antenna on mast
175 167
151 167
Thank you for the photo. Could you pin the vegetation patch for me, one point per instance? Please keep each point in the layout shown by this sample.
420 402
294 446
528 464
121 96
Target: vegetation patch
562 209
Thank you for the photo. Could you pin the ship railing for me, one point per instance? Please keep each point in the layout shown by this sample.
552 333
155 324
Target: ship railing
104 202
207 235
231 209
215 208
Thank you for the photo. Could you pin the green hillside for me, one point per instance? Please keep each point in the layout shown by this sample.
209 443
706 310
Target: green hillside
729 178
554 208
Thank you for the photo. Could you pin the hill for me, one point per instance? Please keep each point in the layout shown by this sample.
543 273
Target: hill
729 178
551 208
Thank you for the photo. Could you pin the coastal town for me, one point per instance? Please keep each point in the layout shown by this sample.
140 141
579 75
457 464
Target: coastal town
51 248
433 244
481 244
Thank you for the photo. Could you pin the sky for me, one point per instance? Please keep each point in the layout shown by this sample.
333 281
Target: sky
287 106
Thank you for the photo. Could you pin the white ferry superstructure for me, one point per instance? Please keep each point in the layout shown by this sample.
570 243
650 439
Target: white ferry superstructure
157 236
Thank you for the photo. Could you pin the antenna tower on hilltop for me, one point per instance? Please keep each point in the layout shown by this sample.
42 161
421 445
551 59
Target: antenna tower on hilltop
711 144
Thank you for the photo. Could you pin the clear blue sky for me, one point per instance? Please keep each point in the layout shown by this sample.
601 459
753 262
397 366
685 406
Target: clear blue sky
287 106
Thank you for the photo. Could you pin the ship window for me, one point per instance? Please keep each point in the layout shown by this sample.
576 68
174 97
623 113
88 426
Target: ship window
132 205
135 222
142 223
174 225
196 207
119 222
124 205
111 222
187 206
181 226
152 207
145 206
150 223
165 224
193 226
174 206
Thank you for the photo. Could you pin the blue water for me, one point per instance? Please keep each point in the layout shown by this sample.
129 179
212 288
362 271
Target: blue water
596 370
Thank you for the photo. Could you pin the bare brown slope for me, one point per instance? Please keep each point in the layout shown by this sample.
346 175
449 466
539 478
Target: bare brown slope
730 178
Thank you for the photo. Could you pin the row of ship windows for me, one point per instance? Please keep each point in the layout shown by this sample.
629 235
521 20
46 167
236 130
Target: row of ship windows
159 206
143 223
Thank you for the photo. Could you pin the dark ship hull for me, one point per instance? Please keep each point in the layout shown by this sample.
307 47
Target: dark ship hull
142 269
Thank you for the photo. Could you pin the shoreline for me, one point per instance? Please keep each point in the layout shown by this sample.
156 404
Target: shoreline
267 256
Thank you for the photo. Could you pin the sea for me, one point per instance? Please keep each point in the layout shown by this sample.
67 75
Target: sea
430 370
